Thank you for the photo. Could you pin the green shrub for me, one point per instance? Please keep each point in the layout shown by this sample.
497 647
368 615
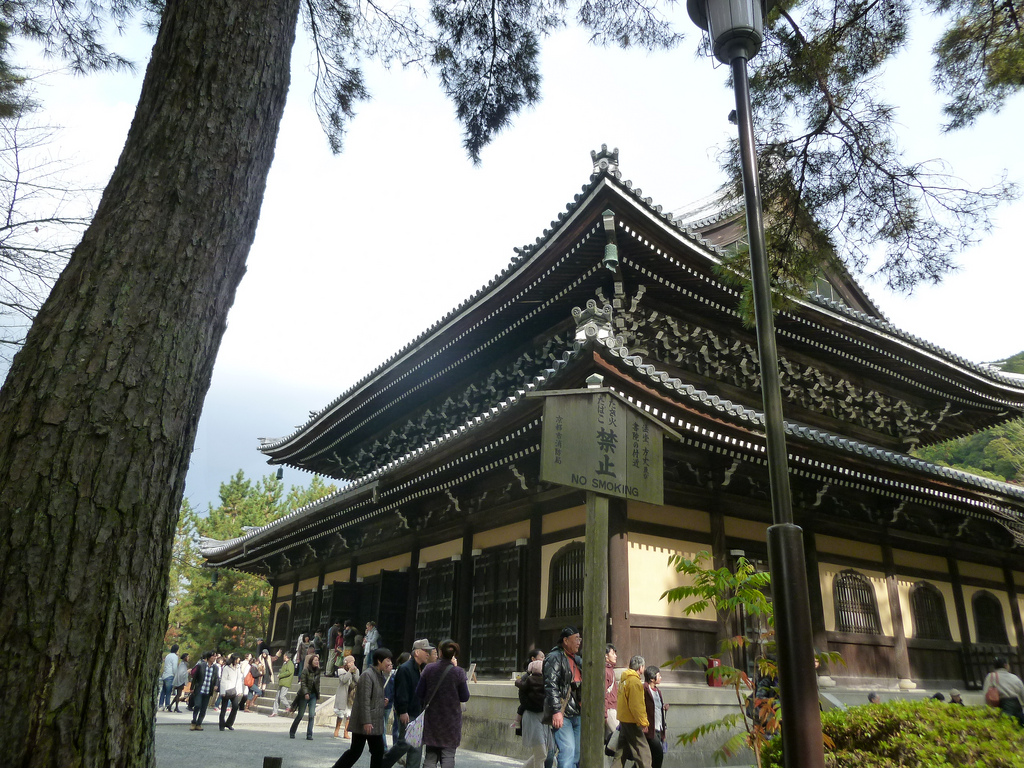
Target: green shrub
926 734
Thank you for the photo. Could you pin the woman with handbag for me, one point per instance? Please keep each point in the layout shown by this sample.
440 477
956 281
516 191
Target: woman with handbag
657 713
230 691
256 674
1008 687
309 692
444 688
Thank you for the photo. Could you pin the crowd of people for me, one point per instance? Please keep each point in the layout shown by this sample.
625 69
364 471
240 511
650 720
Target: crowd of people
425 689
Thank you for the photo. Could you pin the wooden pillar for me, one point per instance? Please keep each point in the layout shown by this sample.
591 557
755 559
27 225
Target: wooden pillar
464 615
820 636
966 647
725 625
295 592
318 599
902 652
595 627
618 578
532 597
1011 591
959 604
272 624
411 599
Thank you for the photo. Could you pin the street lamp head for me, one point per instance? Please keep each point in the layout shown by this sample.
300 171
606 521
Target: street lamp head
736 27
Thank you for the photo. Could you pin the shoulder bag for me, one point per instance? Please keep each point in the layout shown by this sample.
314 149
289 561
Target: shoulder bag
414 731
992 693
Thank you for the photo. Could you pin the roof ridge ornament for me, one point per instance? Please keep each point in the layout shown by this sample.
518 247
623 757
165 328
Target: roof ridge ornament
606 161
593 322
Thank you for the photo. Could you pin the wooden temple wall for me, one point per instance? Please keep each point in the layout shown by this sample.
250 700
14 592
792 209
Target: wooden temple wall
893 614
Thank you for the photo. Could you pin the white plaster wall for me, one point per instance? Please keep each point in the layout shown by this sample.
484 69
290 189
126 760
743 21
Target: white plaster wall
345 574
505 535
678 517
650 575
917 560
847 548
564 518
441 551
746 529
979 571
387 564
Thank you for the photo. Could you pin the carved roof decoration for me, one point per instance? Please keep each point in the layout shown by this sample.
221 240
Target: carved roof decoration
463 380
364 500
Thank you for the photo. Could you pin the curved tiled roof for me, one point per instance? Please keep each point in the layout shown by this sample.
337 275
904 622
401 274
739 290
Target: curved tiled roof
522 255
612 348
612 177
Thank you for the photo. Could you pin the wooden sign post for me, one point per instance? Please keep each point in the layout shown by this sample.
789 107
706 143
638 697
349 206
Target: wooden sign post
595 440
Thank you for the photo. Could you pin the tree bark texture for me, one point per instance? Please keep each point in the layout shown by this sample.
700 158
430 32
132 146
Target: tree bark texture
99 412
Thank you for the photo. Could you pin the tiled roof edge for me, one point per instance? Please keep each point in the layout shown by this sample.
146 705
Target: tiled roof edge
736 412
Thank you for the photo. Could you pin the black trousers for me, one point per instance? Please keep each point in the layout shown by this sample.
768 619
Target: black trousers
230 720
349 757
199 708
657 755
1012 707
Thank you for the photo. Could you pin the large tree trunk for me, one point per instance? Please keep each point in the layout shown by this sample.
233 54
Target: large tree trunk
99 411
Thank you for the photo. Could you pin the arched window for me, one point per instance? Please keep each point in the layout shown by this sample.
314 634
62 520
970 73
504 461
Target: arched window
989 623
565 582
856 609
282 623
928 609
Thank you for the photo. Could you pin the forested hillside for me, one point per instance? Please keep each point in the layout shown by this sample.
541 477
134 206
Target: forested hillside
997 453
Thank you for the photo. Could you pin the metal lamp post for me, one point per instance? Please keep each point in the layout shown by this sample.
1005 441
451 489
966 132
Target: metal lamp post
736 29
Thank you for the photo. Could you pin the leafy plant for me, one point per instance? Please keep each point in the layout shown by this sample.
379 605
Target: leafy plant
729 592
923 734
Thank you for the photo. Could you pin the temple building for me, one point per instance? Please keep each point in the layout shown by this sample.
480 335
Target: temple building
444 528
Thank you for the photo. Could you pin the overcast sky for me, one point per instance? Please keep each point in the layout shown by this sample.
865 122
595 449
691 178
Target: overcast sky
357 254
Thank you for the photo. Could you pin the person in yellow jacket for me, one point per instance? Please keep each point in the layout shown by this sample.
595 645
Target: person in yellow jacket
632 711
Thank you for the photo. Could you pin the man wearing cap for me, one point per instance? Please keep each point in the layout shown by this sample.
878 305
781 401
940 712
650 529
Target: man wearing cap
563 675
408 706
955 697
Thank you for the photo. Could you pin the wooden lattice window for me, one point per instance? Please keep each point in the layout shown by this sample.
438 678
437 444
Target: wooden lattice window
928 609
302 615
989 622
435 601
325 607
856 608
565 582
497 579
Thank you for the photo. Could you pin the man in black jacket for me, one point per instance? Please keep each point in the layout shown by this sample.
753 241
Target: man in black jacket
204 681
563 675
407 706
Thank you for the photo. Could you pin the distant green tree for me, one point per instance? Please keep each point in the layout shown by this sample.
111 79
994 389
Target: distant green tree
1014 364
221 608
997 453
